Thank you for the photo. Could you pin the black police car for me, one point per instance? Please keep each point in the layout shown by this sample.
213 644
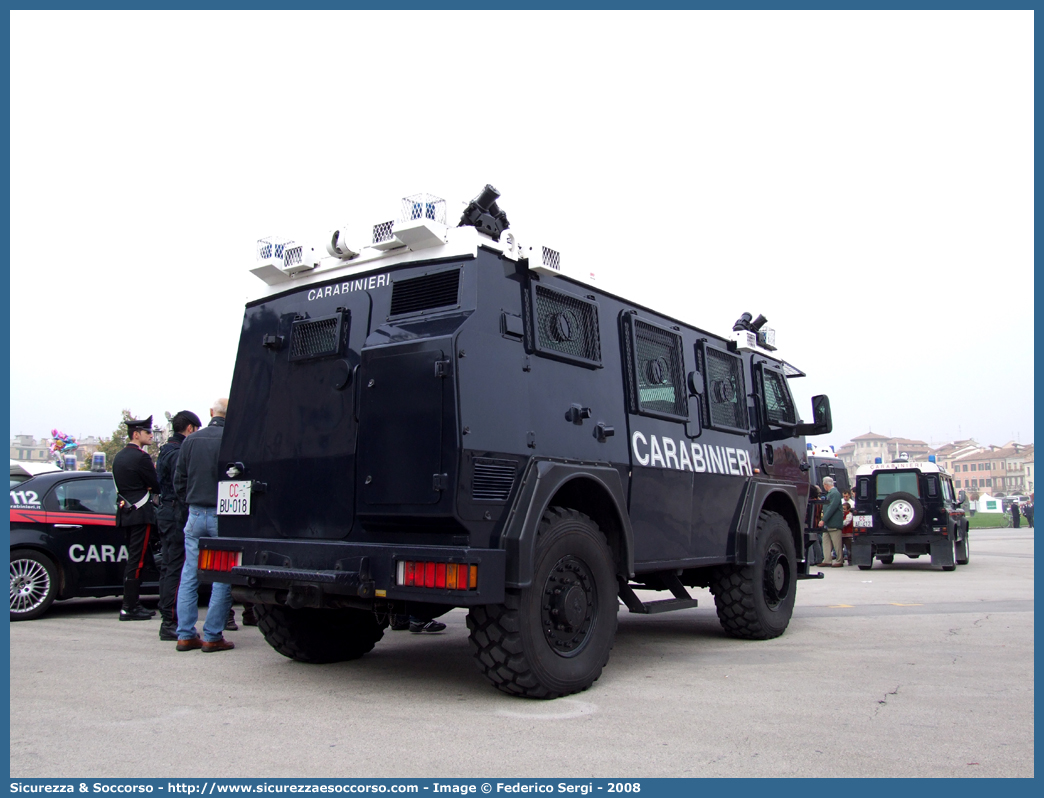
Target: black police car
909 508
64 541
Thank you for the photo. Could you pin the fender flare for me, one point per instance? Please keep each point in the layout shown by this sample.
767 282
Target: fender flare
757 494
542 480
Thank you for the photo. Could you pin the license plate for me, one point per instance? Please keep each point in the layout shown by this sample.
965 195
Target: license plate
234 498
863 521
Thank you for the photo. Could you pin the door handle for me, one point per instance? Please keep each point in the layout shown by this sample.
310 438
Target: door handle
68 526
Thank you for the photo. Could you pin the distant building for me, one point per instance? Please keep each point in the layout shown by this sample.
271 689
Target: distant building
946 454
999 470
27 449
867 448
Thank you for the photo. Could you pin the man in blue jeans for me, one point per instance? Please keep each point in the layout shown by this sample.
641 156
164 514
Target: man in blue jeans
196 485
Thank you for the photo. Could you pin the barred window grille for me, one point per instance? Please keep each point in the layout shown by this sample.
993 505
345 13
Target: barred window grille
425 293
382 232
658 371
778 402
725 389
565 326
312 338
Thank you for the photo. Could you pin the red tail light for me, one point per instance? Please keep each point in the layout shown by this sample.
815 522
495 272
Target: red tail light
217 560
451 576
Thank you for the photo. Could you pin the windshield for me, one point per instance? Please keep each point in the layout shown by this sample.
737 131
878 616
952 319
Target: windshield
892 481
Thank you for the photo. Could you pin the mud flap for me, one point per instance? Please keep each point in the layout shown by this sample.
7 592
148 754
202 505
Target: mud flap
862 554
942 552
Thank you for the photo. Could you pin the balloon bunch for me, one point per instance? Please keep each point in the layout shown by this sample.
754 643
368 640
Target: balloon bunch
62 443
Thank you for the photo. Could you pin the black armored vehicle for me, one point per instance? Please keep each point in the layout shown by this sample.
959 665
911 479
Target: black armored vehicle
442 416
910 508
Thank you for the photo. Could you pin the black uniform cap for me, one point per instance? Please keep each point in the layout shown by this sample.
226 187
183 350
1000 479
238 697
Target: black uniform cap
133 425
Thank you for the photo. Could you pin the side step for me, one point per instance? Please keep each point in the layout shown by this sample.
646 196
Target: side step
682 600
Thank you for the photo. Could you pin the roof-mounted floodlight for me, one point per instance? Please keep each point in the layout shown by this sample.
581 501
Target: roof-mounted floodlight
299 258
423 206
421 225
281 258
543 259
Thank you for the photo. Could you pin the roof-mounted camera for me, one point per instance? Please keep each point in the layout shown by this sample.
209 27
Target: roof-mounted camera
483 214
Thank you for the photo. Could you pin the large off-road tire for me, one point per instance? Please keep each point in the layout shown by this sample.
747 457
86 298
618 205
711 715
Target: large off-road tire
964 550
756 601
901 512
34 584
554 637
887 559
313 635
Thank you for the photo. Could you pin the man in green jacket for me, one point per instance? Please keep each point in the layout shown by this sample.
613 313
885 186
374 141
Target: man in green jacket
833 518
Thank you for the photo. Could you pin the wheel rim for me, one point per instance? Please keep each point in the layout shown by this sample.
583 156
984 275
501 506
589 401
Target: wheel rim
900 512
569 607
30 584
776 579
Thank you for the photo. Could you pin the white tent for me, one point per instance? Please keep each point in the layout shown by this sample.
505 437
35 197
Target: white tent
988 504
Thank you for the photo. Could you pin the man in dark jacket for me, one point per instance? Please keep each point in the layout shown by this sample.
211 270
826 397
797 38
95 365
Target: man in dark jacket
196 484
136 484
171 516
833 518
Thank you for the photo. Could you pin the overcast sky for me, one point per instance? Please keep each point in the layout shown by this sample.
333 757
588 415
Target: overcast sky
863 179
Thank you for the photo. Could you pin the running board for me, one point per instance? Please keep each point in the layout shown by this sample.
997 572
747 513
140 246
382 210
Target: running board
682 600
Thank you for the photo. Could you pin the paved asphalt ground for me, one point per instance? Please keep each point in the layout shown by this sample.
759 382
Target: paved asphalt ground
898 671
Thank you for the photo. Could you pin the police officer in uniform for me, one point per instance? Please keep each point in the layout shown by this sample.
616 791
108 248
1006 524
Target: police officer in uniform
171 516
136 484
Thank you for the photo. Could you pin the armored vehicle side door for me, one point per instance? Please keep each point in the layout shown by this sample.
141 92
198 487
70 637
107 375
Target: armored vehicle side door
661 463
777 420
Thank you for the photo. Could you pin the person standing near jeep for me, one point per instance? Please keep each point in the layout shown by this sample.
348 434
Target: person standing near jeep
1016 515
833 519
196 484
136 484
171 516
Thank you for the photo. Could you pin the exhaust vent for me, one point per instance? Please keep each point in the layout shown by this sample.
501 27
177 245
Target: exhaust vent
493 480
426 293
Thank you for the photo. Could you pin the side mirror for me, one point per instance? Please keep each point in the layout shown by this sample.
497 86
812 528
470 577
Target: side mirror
823 422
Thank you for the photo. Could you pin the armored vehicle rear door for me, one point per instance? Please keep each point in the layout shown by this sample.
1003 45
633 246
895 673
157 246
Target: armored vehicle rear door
295 371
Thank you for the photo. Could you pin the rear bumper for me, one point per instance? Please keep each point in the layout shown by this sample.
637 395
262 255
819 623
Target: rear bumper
899 542
358 571
867 546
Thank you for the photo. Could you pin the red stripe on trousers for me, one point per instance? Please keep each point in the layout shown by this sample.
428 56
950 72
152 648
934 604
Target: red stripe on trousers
144 548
